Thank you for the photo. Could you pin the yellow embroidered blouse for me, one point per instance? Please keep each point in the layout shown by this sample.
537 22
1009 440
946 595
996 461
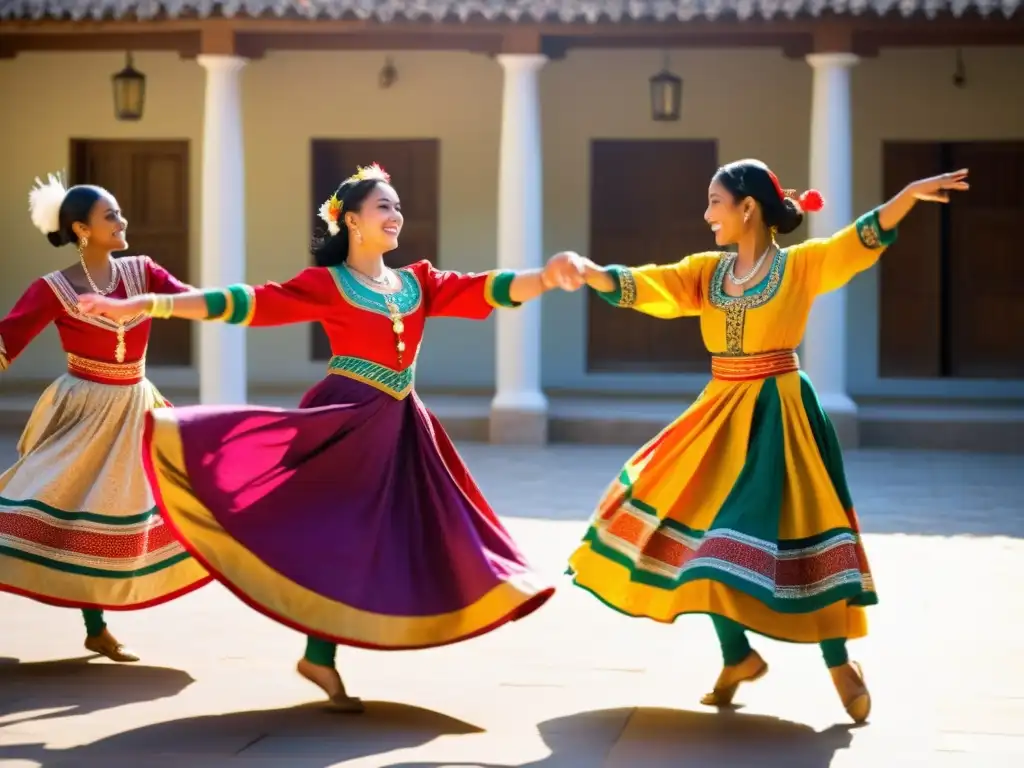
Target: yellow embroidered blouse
768 318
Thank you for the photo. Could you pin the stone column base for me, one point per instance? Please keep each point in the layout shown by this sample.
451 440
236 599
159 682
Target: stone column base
518 426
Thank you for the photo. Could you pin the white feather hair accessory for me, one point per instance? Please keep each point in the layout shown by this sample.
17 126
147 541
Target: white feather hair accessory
44 201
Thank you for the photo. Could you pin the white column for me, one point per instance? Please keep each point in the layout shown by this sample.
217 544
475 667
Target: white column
519 408
831 172
222 369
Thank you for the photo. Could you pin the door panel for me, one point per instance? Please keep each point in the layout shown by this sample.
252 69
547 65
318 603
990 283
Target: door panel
150 180
910 273
986 312
647 206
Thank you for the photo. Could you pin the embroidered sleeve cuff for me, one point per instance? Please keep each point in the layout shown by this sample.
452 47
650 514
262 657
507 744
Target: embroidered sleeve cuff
498 287
624 293
4 362
871 234
234 304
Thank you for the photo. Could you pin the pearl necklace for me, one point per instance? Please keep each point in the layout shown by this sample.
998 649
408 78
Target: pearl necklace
754 270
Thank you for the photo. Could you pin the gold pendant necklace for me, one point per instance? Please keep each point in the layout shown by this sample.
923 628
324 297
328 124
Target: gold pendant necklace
397 324
121 348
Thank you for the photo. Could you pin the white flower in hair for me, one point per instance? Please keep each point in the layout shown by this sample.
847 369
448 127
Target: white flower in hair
44 202
330 211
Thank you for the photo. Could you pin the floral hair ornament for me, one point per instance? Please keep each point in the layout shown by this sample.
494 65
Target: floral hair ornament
371 172
810 201
44 201
330 211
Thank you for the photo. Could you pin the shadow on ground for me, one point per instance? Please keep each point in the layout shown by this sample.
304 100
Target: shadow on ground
76 687
307 732
318 739
662 737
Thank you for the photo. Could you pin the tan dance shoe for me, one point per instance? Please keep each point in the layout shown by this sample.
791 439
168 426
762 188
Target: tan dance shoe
328 680
752 668
853 691
105 644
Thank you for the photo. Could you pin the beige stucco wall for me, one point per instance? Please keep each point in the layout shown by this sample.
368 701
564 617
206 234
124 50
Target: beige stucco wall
290 98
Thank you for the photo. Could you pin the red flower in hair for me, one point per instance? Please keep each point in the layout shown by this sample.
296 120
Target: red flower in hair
811 201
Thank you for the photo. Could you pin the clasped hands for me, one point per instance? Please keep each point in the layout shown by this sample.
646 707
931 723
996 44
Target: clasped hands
566 270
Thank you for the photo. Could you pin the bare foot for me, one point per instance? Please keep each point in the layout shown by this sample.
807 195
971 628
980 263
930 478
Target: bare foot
107 645
853 692
747 671
328 679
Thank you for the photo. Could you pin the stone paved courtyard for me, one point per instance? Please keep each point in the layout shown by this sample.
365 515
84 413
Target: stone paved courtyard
575 685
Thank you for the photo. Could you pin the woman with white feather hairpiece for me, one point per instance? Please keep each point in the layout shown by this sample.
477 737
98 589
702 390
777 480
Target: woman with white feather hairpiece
78 524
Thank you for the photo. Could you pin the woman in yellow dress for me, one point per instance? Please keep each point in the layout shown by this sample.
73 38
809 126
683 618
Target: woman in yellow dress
740 508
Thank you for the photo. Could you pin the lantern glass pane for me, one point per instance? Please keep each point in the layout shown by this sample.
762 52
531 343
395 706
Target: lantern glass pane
129 96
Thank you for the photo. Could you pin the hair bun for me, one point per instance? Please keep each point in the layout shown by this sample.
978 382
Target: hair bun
811 201
56 239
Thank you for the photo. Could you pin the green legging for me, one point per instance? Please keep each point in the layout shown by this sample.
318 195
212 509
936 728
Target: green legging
94 623
732 636
320 652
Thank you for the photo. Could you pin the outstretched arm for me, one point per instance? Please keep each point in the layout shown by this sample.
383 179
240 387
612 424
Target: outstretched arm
832 262
935 189
475 295
666 290
36 308
308 296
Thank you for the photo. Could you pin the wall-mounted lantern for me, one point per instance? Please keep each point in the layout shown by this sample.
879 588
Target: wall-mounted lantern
129 92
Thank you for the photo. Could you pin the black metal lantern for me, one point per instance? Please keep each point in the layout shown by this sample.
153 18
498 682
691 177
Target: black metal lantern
666 94
129 92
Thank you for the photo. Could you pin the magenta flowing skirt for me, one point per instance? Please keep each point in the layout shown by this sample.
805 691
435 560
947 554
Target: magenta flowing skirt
351 518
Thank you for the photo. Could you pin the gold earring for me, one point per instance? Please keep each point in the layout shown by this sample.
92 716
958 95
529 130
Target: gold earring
83 243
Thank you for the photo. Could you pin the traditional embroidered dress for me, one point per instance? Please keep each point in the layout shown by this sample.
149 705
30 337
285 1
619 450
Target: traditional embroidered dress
78 525
740 508
353 518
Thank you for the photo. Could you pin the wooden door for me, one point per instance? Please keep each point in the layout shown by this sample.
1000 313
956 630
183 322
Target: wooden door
151 182
948 304
413 165
647 203
986 323
910 324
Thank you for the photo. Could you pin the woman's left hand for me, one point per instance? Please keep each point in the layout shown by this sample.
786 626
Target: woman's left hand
565 270
937 188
